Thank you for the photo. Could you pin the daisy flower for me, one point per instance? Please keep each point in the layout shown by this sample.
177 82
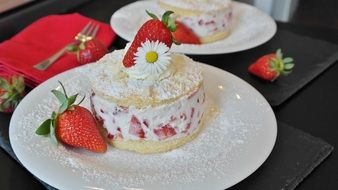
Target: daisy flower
152 58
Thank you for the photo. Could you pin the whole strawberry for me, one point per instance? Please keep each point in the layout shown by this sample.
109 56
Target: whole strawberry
185 35
89 51
73 125
12 90
271 66
152 30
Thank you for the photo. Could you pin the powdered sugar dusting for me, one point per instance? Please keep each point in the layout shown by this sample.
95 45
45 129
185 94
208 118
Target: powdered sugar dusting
210 154
179 82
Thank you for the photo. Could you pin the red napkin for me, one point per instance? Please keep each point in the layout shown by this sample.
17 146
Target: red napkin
42 39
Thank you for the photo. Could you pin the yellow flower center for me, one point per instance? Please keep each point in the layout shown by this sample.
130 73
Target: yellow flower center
151 56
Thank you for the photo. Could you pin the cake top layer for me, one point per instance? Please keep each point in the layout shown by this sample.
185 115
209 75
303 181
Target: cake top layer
110 80
197 5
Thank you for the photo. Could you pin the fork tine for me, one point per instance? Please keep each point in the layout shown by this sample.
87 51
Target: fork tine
89 31
96 29
85 29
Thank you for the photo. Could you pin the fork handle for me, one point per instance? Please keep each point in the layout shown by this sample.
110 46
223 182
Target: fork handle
43 65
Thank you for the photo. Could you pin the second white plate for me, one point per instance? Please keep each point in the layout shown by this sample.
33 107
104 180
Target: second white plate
251 27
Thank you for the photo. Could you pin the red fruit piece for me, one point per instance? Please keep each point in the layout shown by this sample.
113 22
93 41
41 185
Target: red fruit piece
185 35
173 118
136 127
110 136
192 113
165 132
183 116
146 122
269 67
12 90
89 51
187 127
152 30
73 125
77 127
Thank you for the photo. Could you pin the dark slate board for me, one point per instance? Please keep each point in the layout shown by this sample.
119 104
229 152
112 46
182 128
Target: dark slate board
295 155
312 56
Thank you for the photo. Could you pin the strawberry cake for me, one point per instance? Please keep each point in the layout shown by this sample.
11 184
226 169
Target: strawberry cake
210 20
146 98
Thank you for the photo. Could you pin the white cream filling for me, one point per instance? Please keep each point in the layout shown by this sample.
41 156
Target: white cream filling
188 110
209 23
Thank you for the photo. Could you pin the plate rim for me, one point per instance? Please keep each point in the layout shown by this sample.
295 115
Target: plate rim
275 127
64 74
261 41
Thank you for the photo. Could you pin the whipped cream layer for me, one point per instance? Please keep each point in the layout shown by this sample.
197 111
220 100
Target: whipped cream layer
165 122
110 80
209 23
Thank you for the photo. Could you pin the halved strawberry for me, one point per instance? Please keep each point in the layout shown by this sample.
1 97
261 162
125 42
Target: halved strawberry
73 125
152 30
185 35
269 67
165 132
136 127
12 90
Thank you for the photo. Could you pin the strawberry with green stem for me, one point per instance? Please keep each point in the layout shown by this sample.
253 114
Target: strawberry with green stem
271 66
73 125
152 30
12 90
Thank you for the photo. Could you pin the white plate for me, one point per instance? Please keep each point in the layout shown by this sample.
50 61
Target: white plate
231 147
251 27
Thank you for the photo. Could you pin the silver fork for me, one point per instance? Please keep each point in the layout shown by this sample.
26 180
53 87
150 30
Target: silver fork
87 33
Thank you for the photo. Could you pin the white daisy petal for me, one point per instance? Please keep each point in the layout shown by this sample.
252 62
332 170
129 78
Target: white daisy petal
142 68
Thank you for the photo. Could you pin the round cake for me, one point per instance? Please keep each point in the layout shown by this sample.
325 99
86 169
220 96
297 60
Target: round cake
155 114
146 98
210 20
